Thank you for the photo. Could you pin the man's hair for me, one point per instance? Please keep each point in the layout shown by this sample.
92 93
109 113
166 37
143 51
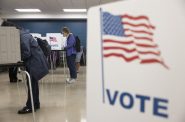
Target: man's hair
66 30
9 24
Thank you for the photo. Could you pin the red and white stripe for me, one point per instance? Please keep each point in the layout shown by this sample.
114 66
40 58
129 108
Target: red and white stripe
136 44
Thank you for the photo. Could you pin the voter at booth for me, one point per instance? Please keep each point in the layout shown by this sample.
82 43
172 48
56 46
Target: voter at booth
70 54
35 63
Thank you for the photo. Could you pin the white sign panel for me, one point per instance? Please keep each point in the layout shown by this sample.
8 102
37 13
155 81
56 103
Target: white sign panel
36 35
138 75
9 45
56 40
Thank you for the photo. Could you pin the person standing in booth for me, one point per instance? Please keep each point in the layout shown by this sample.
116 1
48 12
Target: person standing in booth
70 54
35 63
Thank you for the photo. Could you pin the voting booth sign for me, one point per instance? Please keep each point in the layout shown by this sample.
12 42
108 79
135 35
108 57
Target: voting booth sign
56 40
38 35
136 61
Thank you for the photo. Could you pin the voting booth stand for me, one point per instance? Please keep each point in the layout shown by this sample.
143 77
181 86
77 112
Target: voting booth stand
10 55
52 60
136 61
57 42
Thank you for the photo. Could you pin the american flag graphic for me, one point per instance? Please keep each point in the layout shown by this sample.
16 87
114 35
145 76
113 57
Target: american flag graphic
130 38
53 39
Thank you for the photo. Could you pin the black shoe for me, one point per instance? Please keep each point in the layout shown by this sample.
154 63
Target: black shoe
25 110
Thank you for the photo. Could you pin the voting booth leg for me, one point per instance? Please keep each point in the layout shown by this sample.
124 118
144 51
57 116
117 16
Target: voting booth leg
24 79
51 68
19 93
64 63
54 60
31 94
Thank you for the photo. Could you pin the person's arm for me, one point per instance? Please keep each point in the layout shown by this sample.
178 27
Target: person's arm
70 42
25 47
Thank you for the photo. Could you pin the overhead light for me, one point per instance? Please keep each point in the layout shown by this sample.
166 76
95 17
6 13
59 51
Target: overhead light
75 10
28 10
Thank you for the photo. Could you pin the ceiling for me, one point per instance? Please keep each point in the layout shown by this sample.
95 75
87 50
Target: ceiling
50 7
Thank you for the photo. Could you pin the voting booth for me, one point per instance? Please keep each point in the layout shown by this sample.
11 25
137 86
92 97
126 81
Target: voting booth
56 40
138 75
10 54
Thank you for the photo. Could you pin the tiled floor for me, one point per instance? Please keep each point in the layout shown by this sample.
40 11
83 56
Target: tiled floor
60 102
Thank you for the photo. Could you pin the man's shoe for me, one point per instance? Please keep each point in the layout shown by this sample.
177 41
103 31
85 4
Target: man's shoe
25 110
71 81
68 79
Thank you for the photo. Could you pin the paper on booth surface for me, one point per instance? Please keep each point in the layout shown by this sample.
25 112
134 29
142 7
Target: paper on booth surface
138 75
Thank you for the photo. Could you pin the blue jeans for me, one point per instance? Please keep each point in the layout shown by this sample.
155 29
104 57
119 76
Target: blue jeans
72 66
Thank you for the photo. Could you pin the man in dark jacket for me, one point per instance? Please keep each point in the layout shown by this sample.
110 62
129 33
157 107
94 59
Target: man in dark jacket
36 65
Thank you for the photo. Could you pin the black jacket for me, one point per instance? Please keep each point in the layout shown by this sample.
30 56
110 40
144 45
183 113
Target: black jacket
32 55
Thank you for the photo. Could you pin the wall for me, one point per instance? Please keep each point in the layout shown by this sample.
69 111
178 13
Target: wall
77 27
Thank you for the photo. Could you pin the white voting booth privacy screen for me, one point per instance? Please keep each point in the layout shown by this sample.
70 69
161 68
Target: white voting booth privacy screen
38 35
136 61
9 45
56 40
